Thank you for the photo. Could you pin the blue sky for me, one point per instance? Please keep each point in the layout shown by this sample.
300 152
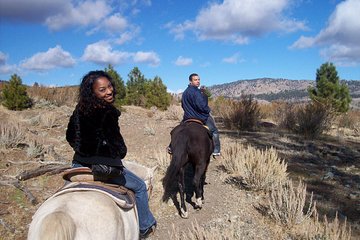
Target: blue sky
55 42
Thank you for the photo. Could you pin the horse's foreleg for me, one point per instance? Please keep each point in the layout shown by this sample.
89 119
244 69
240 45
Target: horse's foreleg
183 210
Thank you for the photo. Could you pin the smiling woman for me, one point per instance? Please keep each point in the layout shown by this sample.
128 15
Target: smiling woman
94 134
103 89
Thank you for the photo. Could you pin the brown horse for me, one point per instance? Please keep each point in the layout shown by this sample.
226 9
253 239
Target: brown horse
190 144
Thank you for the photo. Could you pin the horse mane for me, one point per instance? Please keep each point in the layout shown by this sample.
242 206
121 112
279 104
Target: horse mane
57 226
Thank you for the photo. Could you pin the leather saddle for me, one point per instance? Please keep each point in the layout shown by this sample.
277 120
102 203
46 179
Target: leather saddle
82 179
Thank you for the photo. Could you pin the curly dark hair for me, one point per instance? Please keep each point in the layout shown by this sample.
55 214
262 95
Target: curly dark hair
87 101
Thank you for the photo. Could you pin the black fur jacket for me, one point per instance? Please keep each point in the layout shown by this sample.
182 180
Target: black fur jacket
96 138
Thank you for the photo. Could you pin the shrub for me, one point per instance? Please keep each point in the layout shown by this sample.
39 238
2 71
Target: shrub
313 119
287 204
349 120
286 116
174 112
249 114
329 230
257 169
15 95
35 150
48 120
162 160
11 136
309 120
242 115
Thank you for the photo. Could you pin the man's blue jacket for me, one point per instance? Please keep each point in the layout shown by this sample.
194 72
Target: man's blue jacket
194 104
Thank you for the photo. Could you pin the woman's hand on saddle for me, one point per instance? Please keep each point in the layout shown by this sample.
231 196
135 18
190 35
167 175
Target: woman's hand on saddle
106 171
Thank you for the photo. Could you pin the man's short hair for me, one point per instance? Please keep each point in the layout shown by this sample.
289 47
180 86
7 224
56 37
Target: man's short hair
192 75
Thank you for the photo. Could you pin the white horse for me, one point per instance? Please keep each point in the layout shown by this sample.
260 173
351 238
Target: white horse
85 215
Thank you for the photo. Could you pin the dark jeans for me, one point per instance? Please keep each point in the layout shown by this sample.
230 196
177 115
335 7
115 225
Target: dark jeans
210 123
137 185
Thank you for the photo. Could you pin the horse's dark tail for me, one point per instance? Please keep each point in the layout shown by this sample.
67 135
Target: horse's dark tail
179 156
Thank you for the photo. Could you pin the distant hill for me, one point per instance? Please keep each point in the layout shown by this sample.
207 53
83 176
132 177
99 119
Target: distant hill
270 89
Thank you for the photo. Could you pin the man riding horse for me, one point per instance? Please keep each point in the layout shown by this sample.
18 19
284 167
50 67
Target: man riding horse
195 106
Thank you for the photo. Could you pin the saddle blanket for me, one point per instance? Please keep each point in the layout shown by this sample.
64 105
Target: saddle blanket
123 198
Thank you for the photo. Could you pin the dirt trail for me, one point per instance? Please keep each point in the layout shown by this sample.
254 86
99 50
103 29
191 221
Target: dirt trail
225 205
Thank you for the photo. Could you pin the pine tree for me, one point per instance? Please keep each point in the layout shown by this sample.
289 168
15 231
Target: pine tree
156 94
135 88
15 95
328 89
119 85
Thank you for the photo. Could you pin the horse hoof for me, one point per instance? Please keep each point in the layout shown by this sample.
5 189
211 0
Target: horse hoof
198 203
184 214
197 207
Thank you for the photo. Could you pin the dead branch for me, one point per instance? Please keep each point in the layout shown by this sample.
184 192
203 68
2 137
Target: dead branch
27 192
40 171
20 162
7 226
16 183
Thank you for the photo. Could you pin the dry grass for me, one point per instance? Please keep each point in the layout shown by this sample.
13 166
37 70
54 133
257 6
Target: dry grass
11 135
349 120
149 129
174 112
259 169
35 149
162 160
287 204
198 232
48 120
314 229
55 95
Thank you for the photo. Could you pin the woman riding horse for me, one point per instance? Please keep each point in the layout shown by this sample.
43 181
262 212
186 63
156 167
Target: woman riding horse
94 134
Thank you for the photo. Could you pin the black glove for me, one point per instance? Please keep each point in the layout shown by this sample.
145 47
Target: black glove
106 171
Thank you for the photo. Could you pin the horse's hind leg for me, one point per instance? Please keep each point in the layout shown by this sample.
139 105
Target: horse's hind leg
199 180
183 210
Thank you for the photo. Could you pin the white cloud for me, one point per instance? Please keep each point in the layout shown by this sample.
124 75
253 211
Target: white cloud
182 61
83 14
237 20
128 36
103 54
115 23
54 58
5 68
146 57
341 54
3 58
340 38
233 59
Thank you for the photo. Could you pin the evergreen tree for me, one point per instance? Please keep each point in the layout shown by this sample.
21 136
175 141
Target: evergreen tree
119 85
135 88
156 94
328 89
15 95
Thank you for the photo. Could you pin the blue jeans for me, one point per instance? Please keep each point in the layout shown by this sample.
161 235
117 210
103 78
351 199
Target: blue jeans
137 185
214 132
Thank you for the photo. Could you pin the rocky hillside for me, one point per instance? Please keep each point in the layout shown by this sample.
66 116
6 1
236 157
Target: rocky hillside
270 89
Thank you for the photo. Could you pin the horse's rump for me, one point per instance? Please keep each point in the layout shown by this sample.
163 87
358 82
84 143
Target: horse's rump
79 215
89 213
